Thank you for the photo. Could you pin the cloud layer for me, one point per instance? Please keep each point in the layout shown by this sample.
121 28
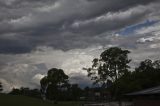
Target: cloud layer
36 35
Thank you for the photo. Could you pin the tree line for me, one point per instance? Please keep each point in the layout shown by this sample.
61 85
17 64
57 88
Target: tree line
113 73
110 72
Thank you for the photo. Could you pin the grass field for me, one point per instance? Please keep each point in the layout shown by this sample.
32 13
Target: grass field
9 100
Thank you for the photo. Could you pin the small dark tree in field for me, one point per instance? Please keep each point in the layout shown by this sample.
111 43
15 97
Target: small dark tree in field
112 64
1 88
52 84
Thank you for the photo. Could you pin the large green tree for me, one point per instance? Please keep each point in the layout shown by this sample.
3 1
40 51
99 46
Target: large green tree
112 64
52 84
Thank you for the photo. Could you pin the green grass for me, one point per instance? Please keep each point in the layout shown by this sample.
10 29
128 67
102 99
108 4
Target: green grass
9 100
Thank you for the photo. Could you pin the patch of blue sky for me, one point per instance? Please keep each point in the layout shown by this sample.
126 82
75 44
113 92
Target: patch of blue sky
130 30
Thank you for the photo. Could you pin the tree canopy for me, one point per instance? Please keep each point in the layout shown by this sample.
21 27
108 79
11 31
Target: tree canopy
55 81
112 64
146 75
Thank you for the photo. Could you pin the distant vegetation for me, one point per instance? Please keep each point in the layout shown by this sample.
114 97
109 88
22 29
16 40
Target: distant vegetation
26 92
110 73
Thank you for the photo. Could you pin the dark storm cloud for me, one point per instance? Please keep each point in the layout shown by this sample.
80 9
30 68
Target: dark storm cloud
14 46
53 23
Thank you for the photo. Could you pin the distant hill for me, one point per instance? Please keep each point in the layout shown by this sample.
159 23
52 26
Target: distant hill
12 100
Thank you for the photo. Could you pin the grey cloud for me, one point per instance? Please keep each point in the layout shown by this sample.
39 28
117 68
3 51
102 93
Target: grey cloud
38 22
112 21
36 35
27 69
81 79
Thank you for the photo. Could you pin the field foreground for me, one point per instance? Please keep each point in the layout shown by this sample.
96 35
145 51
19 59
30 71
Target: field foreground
9 100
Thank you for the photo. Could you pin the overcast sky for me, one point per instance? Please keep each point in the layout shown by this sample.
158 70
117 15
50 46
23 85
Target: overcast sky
36 35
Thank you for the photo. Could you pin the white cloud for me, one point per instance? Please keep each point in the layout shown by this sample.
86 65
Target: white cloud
150 34
50 7
36 79
6 86
27 69
143 40
71 61
22 20
141 53
151 29
113 16
157 45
